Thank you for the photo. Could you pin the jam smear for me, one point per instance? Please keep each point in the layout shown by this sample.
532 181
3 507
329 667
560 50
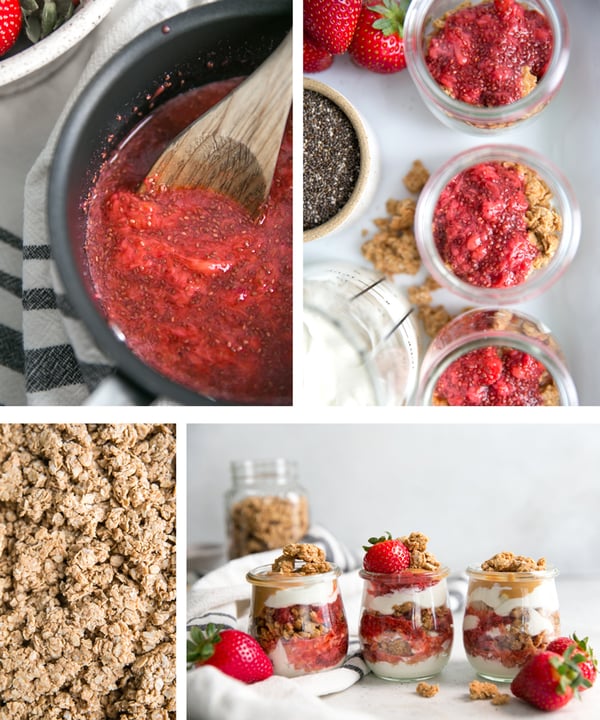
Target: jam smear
490 54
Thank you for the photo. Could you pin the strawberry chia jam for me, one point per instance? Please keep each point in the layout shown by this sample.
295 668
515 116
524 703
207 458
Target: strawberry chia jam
490 54
495 376
480 226
201 292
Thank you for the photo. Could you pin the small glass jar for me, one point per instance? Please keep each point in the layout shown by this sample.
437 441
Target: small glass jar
360 339
368 158
464 350
562 201
266 506
418 28
406 628
509 616
299 620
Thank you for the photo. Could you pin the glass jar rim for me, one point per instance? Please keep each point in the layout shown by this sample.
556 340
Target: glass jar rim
475 572
417 17
264 576
410 576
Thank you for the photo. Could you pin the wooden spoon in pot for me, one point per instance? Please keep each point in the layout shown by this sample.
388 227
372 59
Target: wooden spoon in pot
233 147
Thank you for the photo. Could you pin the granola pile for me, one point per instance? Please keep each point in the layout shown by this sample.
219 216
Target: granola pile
427 690
87 572
420 557
509 562
479 690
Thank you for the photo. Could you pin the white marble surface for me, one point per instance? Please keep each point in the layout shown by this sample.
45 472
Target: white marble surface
580 603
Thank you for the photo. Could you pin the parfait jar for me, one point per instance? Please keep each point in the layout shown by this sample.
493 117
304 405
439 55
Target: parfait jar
299 620
509 616
406 627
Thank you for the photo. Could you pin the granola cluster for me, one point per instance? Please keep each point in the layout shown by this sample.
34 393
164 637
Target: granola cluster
263 522
420 557
87 572
312 559
393 248
479 690
427 690
509 562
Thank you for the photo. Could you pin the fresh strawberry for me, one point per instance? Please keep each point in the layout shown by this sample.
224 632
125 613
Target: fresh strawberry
386 555
11 19
547 680
313 58
378 43
331 23
580 652
234 652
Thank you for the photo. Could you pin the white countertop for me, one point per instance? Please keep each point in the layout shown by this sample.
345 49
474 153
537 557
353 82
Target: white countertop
579 606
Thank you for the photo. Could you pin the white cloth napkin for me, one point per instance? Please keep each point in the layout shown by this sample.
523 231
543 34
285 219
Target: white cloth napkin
223 596
62 364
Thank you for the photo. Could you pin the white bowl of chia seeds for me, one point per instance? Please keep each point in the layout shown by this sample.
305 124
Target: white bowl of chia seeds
340 161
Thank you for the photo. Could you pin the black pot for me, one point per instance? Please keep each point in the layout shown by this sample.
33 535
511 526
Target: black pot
212 42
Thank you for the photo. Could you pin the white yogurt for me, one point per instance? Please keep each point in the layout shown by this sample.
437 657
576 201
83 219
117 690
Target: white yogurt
492 669
497 597
320 593
413 671
429 597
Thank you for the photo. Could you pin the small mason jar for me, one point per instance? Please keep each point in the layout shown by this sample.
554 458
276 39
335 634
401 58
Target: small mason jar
490 356
299 620
266 506
361 342
509 616
406 627
419 25
549 214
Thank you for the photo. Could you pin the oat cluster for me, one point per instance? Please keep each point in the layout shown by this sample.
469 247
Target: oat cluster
509 562
427 690
87 572
479 690
264 522
312 558
420 557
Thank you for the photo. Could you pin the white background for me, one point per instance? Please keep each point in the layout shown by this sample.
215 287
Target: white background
473 489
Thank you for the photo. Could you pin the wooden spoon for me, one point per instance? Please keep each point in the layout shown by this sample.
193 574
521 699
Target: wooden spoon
233 147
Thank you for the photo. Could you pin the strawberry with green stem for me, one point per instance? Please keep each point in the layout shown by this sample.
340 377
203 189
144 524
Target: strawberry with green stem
580 652
378 42
548 681
234 652
386 554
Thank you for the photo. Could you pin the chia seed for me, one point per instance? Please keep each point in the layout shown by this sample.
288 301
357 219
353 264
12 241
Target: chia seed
331 157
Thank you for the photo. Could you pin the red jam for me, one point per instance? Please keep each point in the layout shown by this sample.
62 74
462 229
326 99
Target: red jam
480 228
490 54
200 291
492 376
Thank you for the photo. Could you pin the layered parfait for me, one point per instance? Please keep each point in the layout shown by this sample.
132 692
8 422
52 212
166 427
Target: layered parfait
406 626
511 613
297 613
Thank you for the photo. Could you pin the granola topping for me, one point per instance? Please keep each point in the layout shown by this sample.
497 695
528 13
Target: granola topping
509 562
312 559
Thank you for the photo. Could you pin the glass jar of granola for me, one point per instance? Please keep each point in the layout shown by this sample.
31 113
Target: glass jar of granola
511 612
266 506
297 614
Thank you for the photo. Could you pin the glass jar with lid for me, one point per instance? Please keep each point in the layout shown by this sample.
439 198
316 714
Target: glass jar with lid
266 506
360 338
